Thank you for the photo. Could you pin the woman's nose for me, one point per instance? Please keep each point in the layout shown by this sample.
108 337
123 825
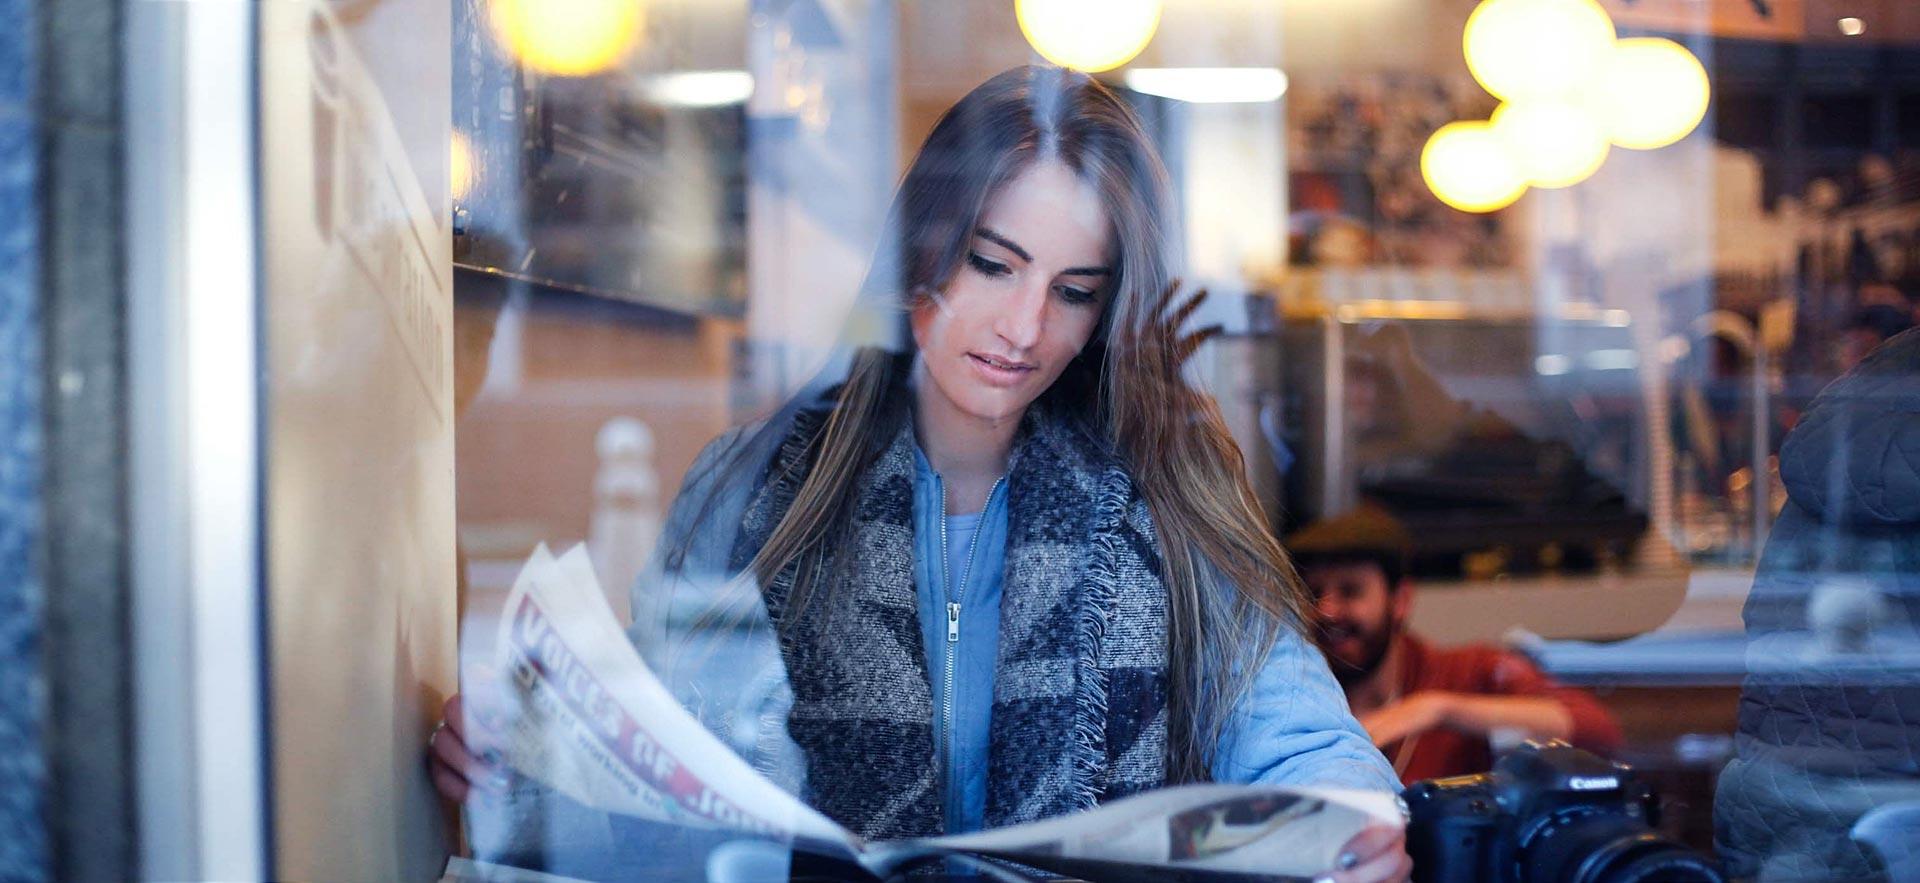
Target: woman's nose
1024 318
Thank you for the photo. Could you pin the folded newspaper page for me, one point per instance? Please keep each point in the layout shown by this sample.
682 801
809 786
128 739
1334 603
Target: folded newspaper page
465 870
595 724
1236 829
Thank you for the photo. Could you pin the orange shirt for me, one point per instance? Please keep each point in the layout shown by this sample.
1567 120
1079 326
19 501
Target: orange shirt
1483 669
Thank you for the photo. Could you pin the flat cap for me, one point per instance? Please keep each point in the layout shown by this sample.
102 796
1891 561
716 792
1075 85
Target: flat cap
1367 529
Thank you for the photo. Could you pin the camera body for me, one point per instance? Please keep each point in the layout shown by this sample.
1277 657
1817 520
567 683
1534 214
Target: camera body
1547 813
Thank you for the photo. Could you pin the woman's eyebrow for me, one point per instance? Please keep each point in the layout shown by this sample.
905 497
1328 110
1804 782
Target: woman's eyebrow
1002 241
990 235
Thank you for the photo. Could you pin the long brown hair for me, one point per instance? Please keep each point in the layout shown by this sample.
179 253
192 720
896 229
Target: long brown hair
1230 586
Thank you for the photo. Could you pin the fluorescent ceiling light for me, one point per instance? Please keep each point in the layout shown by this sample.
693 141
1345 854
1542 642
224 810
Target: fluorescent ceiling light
700 88
1613 360
1210 85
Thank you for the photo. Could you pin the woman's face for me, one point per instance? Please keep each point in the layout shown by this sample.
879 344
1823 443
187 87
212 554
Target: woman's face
1026 299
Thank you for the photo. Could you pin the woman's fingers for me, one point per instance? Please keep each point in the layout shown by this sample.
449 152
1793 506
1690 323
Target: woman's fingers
453 716
1158 306
1185 348
1392 867
1186 309
457 765
1377 854
449 784
447 747
1370 842
474 717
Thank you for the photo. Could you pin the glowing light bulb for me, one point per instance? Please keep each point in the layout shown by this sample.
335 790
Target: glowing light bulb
1651 93
1467 166
1088 35
1553 143
566 38
1536 48
460 165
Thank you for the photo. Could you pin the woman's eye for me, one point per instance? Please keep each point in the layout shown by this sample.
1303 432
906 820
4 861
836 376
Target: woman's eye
1074 295
987 267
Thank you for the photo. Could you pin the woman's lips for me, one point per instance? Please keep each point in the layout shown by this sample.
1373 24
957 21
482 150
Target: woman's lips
999 372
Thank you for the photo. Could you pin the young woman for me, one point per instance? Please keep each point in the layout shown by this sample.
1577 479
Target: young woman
1010 561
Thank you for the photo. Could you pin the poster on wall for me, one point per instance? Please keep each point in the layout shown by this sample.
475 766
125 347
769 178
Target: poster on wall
358 501
1355 193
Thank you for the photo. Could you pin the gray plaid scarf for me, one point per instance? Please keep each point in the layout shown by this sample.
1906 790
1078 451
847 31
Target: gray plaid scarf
1079 707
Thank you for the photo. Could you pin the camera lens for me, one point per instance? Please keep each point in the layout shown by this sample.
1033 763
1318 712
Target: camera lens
1608 849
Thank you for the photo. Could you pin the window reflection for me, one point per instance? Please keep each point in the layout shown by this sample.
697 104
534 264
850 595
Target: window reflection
1647 437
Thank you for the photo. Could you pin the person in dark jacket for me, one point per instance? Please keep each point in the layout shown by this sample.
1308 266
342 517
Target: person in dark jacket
1829 724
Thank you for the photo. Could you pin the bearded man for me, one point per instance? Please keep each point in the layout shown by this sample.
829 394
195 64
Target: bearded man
1430 709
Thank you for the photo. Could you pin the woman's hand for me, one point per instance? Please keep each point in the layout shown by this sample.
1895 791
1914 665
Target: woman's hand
462 756
1165 337
1375 855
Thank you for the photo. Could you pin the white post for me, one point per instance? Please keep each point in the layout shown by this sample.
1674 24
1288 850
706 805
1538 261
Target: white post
192 296
626 509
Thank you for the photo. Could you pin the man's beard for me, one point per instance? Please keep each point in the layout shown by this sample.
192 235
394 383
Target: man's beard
1374 647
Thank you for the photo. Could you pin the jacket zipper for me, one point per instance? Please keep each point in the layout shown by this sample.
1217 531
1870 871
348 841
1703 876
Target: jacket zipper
955 595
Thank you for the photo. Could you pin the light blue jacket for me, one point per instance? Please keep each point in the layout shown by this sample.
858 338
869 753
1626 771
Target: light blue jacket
1293 728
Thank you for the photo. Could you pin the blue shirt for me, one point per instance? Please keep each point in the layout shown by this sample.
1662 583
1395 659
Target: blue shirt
1293 728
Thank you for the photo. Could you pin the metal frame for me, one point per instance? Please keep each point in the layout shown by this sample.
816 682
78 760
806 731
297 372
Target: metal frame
193 367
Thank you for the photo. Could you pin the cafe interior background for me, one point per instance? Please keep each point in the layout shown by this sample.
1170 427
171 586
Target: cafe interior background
1572 390
1551 294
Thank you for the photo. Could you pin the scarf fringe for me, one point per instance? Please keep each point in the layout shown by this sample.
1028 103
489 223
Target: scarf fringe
1102 588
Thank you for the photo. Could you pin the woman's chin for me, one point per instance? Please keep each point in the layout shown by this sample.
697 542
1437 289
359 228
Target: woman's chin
995 408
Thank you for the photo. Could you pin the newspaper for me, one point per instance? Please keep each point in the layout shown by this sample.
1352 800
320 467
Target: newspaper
595 724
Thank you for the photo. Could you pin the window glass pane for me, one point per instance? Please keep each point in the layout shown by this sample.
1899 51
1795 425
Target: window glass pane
856 349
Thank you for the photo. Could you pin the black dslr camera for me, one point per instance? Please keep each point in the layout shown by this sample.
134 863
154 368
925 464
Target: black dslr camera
1546 814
